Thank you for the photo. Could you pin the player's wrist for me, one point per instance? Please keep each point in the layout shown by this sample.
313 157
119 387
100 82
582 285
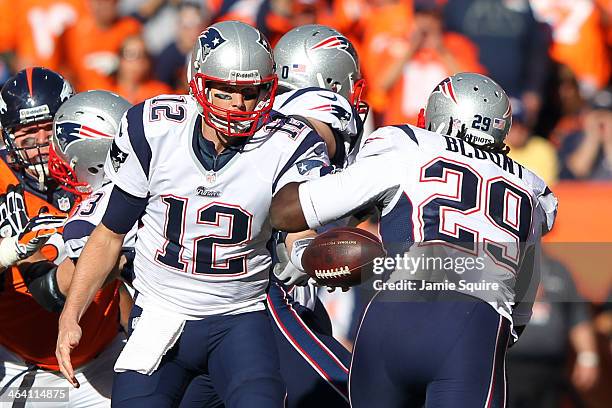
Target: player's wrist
68 317
297 251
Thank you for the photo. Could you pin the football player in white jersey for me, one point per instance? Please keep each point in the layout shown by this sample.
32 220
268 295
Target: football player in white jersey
320 80
319 75
198 172
452 194
83 131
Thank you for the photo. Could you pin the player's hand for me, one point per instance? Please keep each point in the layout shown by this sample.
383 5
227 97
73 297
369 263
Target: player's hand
285 271
330 289
37 231
290 275
13 213
68 338
30 238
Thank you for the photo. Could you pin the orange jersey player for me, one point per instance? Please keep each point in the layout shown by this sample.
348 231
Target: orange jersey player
32 209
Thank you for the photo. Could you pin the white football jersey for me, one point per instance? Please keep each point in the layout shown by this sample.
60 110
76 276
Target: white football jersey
334 110
439 191
205 241
323 105
84 219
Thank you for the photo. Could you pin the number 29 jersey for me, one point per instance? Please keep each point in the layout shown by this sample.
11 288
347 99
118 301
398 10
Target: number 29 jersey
442 199
204 247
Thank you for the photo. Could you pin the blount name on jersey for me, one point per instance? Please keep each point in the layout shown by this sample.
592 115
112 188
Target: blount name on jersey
501 160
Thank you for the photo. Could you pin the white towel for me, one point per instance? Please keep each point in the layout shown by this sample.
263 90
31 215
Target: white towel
156 332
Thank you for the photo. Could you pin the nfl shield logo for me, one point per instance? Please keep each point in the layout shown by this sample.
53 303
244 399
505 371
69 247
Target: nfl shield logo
63 204
211 177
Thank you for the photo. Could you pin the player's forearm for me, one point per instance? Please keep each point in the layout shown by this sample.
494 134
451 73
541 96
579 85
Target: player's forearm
65 272
356 188
285 212
97 260
326 133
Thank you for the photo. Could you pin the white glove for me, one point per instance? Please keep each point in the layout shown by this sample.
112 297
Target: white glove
285 271
31 238
291 275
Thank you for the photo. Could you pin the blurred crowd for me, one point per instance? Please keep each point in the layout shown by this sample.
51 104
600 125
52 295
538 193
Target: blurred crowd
553 57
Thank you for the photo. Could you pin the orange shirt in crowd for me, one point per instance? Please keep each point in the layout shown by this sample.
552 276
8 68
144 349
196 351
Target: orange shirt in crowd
605 6
347 16
386 38
579 39
386 27
300 13
146 90
34 29
30 331
93 52
422 73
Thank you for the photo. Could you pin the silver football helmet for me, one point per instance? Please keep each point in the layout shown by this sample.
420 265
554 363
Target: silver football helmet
233 53
315 55
83 131
471 106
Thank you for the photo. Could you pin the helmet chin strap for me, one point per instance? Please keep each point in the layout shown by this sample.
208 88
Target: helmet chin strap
440 128
43 175
40 173
320 80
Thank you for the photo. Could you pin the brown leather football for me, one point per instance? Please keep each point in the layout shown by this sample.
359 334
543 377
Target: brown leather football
342 257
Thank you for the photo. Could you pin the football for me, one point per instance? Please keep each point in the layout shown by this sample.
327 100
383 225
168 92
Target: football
342 257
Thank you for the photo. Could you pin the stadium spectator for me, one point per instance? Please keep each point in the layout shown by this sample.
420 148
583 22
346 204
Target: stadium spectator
578 40
385 35
348 17
571 105
279 16
159 20
33 30
170 64
511 42
587 154
603 321
416 62
94 42
246 11
605 7
133 80
533 152
536 364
